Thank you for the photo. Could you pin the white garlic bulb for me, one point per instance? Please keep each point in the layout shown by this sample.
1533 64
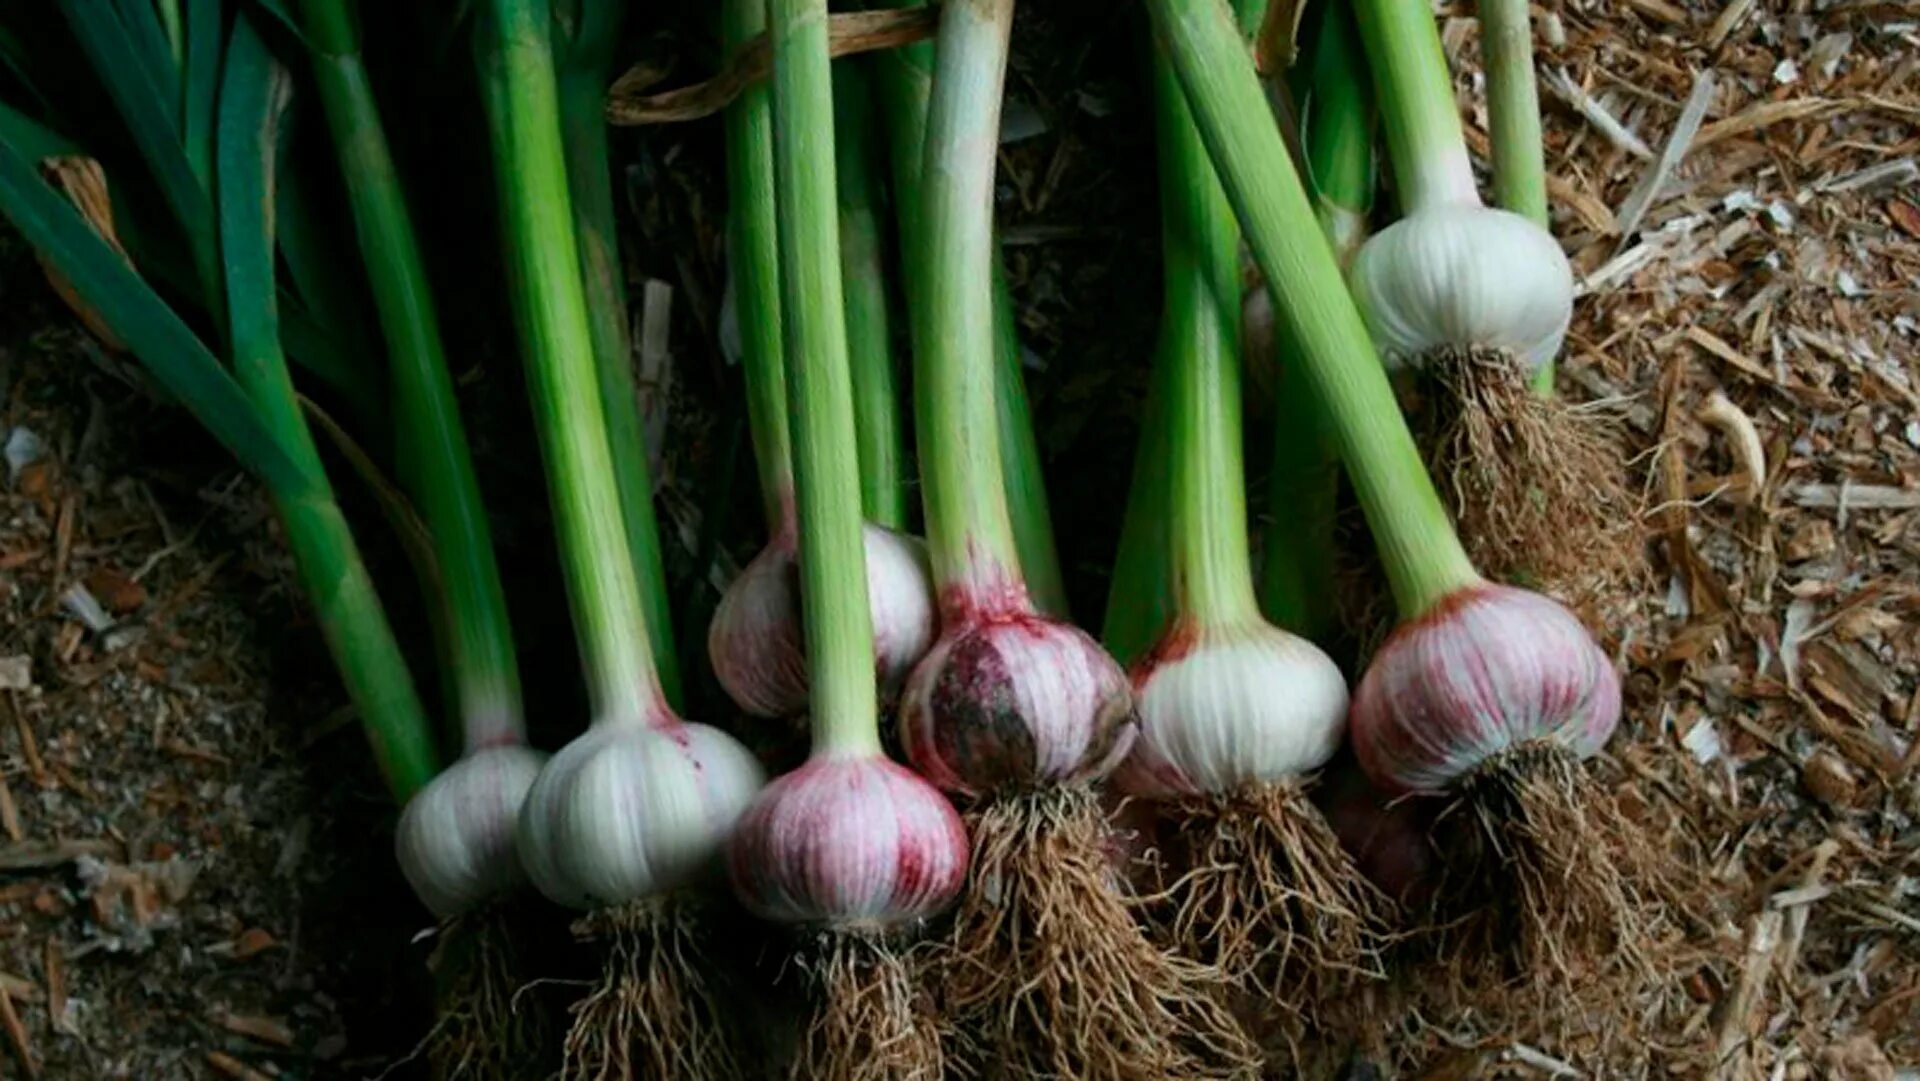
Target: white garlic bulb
1230 707
632 809
1456 275
455 838
756 643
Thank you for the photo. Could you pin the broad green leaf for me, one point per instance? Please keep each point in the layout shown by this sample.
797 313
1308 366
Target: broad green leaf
35 141
148 109
200 78
171 353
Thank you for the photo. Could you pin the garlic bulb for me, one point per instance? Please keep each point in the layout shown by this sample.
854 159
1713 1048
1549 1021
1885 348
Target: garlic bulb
845 840
455 838
756 641
1457 276
1014 700
1491 668
632 809
1224 708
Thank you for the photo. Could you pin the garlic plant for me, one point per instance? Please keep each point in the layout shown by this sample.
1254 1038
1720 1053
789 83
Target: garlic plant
454 840
1235 713
1048 974
628 819
1476 301
755 640
851 849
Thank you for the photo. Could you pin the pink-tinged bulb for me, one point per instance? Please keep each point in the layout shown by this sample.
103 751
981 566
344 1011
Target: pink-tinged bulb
756 639
1227 707
1491 668
1014 701
848 840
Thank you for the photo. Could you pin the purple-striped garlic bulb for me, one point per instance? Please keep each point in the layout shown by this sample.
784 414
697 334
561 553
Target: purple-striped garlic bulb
851 841
1489 670
455 838
1009 700
1224 708
756 639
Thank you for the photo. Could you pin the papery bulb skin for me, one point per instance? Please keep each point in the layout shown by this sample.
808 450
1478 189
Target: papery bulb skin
1457 277
1008 700
757 641
853 841
1489 669
630 809
454 842
1222 708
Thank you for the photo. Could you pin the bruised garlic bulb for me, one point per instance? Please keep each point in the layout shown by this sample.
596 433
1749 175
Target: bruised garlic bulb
455 838
1490 669
756 640
632 809
1228 707
1009 700
1458 276
848 840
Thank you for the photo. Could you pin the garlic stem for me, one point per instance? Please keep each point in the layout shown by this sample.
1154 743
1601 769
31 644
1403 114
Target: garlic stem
436 466
968 527
1139 589
585 62
884 466
1200 335
1513 109
1298 551
753 260
341 591
551 310
906 86
1337 125
1425 141
1513 117
1418 548
833 573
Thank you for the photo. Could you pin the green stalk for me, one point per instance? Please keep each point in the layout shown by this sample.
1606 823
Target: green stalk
1513 115
1513 109
1140 599
1299 557
906 84
1212 567
1020 457
753 260
434 463
1140 593
876 392
550 307
833 578
1338 119
585 62
368 657
1421 554
1425 141
968 529
170 19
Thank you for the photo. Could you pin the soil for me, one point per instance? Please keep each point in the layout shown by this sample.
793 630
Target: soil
195 869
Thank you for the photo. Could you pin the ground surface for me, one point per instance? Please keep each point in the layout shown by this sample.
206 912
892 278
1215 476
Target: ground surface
194 868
